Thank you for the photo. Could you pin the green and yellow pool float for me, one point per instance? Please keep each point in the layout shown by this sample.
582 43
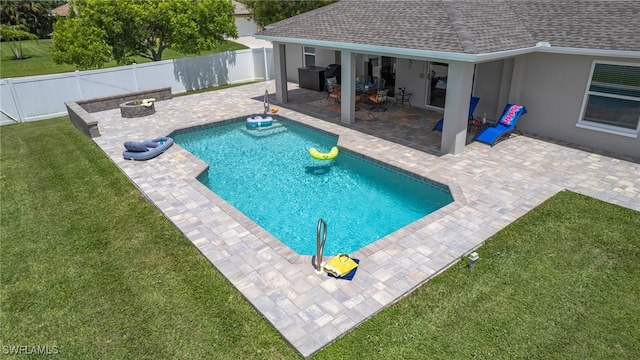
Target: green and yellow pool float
324 156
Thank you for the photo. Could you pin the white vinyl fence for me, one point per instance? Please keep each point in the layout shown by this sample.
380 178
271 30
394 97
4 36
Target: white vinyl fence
42 97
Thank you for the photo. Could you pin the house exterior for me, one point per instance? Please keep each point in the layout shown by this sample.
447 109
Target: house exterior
244 23
62 10
575 64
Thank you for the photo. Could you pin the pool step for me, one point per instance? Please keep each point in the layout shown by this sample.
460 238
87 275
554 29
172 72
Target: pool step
260 132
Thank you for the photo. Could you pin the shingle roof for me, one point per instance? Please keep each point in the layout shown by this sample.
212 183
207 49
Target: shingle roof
240 8
603 24
469 26
62 10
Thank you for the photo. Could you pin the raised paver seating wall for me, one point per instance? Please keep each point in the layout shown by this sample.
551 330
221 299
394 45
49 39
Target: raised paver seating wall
82 120
80 111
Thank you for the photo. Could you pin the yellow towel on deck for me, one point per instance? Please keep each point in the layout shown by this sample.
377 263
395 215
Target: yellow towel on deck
340 265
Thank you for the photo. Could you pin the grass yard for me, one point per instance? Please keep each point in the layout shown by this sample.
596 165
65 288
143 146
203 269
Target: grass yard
562 282
39 61
89 266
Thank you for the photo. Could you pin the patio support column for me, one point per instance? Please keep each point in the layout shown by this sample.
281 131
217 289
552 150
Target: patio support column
505 87
279 59
348 87
515 91
454 131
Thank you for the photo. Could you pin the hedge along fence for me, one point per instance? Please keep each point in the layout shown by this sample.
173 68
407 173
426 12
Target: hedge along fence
80 112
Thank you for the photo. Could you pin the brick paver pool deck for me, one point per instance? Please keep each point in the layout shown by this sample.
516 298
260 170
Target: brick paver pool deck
492 187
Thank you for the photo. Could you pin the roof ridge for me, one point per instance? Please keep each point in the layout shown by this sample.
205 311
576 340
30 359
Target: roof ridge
467 41
521 20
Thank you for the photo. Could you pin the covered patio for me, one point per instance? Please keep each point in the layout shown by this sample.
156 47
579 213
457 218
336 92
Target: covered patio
460 82
402 123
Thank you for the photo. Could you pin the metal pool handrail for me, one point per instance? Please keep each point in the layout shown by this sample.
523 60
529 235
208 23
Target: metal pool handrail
266 102
320 233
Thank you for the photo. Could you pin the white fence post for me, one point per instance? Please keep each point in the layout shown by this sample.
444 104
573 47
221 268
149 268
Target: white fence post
79 83
135 76
16 100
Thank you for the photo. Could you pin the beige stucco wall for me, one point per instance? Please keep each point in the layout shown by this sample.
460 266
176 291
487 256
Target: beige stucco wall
552 87
487 87
245 25
293 55
324 57
412 75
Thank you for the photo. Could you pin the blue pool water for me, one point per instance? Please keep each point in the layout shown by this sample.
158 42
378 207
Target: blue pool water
270 177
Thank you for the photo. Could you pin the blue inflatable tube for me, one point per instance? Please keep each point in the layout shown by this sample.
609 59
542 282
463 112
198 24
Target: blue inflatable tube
258 121
147 149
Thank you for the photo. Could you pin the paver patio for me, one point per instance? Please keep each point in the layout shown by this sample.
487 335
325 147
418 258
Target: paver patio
492 187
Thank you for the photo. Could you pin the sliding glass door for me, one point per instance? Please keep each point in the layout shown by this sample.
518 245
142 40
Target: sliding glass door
437 84
384 67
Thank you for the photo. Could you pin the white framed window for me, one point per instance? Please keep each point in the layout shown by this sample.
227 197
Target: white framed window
309 54
612 100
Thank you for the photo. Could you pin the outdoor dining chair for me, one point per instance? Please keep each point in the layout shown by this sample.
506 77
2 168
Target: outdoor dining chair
380 97
333 89
378 83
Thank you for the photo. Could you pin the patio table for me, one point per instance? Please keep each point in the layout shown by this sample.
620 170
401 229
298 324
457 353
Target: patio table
402 98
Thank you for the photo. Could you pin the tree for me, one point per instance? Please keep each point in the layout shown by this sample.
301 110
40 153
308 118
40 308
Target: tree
13 35
33 14
122 29
267 12
86 51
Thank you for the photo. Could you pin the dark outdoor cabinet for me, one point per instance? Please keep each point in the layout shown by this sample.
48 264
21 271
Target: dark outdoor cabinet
311 77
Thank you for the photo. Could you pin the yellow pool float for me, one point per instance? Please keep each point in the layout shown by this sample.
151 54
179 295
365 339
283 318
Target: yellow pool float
323 156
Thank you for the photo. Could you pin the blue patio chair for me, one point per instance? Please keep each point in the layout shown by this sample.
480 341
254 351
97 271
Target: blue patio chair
507 123
472 106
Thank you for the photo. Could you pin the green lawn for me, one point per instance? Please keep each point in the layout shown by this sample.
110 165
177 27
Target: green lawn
39 61
562 282
88 265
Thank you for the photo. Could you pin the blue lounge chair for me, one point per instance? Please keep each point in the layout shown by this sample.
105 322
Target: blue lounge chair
472 107
507 123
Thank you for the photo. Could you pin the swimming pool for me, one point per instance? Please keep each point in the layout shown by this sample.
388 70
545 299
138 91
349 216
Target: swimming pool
270 177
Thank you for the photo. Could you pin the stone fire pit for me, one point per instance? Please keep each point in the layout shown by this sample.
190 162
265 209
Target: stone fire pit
133 109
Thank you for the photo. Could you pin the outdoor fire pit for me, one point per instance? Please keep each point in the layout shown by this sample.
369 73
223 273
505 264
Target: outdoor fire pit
137 108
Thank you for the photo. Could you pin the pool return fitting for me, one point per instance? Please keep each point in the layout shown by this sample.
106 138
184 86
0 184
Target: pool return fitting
321 233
